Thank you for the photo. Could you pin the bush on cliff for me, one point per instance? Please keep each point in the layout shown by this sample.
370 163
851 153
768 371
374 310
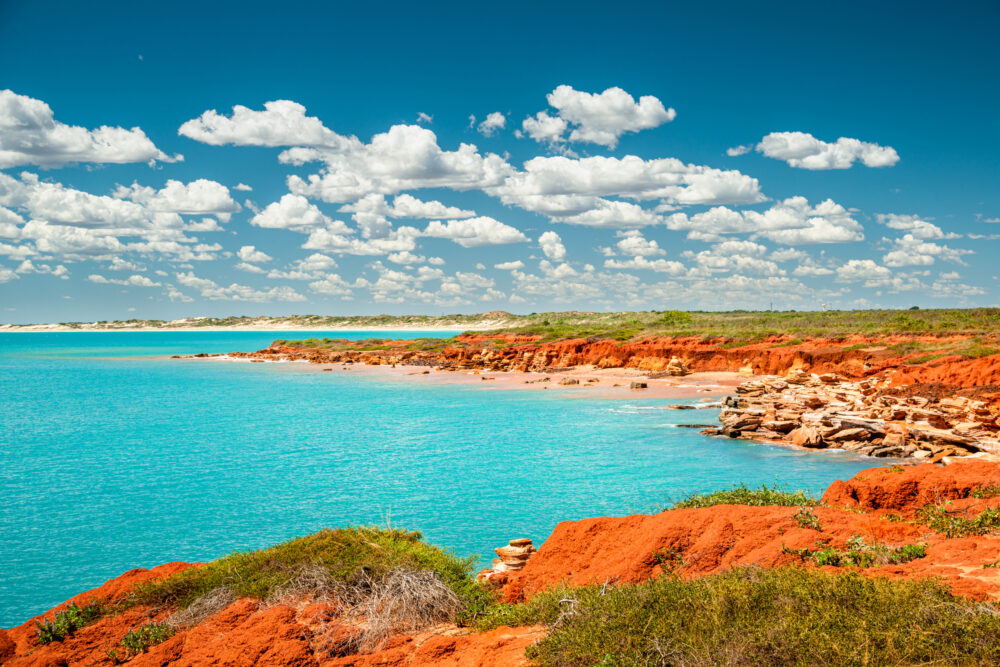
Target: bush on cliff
343 555
744 495
747 616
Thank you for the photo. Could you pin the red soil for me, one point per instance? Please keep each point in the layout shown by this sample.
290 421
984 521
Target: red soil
623 549
616 550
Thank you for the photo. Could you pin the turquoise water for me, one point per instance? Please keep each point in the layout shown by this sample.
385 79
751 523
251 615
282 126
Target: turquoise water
113 456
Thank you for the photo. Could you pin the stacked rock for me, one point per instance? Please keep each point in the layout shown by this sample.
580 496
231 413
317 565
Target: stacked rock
677 368
513 557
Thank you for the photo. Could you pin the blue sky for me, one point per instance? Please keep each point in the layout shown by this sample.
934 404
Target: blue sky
649 157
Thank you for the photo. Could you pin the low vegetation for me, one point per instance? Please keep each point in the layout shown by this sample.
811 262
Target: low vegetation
958 523
361 556
66 622
745 616
744 495
858 553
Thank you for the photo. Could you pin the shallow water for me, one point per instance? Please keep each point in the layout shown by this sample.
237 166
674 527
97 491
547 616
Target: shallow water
113 456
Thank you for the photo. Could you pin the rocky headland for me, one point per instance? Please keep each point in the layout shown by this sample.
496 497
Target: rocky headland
917 396
894 522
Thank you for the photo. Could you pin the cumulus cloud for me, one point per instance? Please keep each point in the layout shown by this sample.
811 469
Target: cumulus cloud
407 157
634 244
645 264
917 227
281 123
210 290
29 134
866 270
475 232
597 118
912 250
803 150
251 255
552 245
199 197
309 268
509 266
294 212
493 123
135 280
790 222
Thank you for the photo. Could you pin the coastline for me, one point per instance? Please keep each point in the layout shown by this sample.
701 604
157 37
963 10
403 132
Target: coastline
263 328
612 383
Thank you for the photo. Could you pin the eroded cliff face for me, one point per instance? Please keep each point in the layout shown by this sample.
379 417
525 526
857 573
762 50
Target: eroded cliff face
879 505
703 541
852 357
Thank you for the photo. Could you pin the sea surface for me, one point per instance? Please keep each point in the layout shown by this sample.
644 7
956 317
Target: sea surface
114 456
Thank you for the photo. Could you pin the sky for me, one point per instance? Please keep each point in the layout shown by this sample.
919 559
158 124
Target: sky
211 159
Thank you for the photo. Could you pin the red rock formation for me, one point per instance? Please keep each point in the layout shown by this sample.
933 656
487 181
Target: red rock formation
707 540
692 542
773 356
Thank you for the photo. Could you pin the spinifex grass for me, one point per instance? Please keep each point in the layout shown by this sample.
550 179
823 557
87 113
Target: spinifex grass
744 495
789 616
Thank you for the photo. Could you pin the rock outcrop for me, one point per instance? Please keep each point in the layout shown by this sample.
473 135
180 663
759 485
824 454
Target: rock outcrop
866 417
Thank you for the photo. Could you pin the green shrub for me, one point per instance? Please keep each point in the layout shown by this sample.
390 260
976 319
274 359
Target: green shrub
806 518
346 555
668 558
860 554
941 520
745 616
744 495
66 622
139 640
988 491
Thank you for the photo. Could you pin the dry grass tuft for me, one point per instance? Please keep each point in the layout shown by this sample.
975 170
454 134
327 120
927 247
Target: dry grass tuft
207 605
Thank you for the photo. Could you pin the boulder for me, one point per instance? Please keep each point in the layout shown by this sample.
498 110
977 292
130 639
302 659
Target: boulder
806 436
638 385
569 381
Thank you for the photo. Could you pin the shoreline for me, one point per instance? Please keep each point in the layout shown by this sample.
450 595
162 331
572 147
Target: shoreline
261 329
612 383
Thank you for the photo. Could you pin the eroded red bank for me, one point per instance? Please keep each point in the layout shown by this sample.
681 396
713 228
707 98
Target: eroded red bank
620 550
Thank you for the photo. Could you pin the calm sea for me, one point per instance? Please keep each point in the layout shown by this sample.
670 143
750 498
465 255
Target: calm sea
113 456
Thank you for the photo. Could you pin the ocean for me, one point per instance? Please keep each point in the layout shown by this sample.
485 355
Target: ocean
114 456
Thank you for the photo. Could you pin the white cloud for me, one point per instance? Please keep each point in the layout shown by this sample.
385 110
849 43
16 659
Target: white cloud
634 244
910 250
493 123
644 264
789 222
552 245
282 123
199 197
736 151
135 280
598 118
236 292
509 266
242 187
475 232
858 270
339 242
424 118
27 266
29 134
803 150
251 255
407 157
294 212
310 268
917 227
406 258
6 275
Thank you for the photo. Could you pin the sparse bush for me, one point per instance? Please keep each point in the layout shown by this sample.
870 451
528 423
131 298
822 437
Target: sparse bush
744 495
745 616
860 554
66 622
142 638
942 520
806 519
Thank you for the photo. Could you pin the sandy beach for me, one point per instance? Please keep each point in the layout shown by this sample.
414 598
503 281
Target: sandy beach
609 383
